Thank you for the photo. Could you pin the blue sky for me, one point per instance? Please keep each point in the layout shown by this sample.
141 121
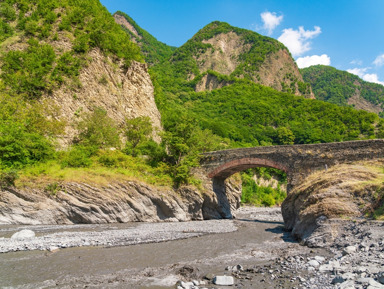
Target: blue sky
346 34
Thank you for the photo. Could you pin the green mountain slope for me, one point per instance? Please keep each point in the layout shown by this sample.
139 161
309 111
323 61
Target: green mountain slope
153 50
46 42
343 88
235 53
240 111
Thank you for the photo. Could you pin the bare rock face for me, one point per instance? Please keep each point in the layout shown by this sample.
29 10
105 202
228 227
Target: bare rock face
360 103
210 82
116 203
278 70
123 93
122 21
223 57
344 191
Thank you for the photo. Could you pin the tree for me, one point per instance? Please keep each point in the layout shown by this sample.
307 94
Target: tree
285 136
98 130
137 131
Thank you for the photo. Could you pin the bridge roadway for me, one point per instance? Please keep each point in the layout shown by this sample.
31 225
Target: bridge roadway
297 161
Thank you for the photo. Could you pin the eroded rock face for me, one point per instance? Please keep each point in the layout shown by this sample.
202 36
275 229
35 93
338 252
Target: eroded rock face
279 70
121 202
123 93
224 56
122 21
343 191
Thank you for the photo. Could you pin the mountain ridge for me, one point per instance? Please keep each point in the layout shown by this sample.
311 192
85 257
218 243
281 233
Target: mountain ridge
344 88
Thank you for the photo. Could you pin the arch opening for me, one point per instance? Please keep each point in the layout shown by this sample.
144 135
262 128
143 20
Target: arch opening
256 189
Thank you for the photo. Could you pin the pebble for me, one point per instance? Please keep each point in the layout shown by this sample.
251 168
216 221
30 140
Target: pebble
380 277
314 263
337 279
349 250
224 280
320 259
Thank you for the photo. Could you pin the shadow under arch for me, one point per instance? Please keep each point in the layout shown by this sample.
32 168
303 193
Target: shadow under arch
222 172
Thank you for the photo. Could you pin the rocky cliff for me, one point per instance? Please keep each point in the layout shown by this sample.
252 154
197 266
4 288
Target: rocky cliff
76 57
123 93
154 51
343 191
131 201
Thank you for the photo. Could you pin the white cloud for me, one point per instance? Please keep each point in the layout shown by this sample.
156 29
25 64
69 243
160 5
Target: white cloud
370 77
307 61
271 21
358 71
379 61
297 40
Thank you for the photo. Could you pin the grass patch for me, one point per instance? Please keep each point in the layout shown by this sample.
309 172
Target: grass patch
133 169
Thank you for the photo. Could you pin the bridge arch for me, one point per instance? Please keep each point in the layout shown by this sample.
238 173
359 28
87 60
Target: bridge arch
229 168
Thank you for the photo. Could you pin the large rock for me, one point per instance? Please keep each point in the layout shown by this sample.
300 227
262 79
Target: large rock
23 234
340 192
118 202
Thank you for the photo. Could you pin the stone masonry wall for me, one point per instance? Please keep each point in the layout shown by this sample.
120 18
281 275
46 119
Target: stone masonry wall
297 161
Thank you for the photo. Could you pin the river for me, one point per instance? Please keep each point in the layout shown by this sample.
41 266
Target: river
145 255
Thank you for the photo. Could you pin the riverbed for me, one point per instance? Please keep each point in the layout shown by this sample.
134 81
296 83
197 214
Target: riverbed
253 247
139 255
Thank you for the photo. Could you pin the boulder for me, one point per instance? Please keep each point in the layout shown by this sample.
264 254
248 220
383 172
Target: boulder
23 234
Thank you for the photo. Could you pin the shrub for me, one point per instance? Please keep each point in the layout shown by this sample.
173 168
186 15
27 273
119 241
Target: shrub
114 159
18 147
137 131
5 30
97 129
8 178
78 157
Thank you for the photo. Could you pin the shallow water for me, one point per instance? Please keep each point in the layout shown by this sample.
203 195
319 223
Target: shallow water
152 265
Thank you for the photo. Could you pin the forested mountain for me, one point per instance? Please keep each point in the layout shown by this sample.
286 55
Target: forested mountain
221 53
232 106
343 88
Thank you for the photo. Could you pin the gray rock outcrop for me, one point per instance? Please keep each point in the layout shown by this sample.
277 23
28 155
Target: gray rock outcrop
116 203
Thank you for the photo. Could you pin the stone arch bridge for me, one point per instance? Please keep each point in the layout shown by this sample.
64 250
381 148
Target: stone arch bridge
297 161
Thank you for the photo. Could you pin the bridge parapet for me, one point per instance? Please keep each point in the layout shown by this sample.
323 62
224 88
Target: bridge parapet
297 161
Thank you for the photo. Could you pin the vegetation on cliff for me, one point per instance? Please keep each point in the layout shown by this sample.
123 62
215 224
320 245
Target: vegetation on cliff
38 67
154 51
336 86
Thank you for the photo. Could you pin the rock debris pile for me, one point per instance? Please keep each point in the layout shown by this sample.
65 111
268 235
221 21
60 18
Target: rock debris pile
355 259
